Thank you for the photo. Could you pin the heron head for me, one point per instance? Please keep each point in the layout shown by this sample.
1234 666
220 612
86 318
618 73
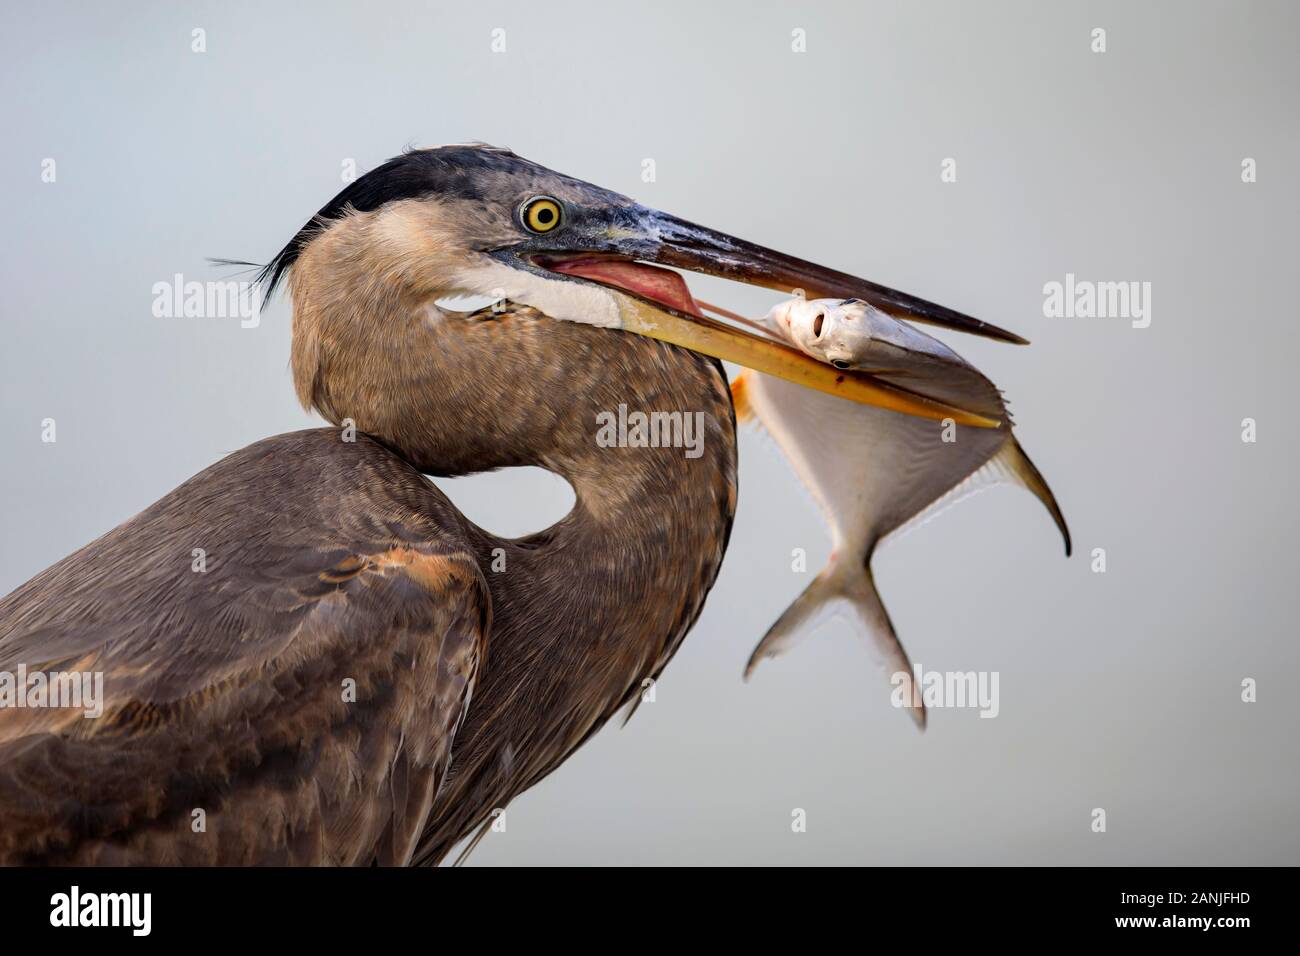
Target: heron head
480 221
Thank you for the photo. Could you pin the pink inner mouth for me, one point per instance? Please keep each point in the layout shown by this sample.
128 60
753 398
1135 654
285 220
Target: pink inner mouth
650 282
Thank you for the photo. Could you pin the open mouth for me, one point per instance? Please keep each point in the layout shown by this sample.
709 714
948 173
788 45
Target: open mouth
653 284
654 300
658 303
661 286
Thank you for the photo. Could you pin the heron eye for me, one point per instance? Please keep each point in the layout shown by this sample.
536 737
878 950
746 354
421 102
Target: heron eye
541 214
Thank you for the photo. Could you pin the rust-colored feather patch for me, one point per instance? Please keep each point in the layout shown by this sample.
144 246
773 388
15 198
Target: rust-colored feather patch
430 571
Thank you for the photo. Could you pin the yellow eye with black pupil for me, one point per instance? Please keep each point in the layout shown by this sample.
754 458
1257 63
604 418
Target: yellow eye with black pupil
541 214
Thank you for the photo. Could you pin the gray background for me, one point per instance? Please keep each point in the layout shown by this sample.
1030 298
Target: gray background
1118 690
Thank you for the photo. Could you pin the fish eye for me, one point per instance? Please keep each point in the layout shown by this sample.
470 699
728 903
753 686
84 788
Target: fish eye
840 364
540 214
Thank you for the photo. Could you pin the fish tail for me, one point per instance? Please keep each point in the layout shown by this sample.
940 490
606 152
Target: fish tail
839 588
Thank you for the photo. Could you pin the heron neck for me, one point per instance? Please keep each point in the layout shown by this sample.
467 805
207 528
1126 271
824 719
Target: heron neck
645 434
643 431
586 611
590 609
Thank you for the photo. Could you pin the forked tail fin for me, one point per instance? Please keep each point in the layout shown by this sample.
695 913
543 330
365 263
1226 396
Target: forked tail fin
842 589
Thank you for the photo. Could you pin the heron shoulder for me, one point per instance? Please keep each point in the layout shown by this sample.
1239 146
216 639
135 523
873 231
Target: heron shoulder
246 629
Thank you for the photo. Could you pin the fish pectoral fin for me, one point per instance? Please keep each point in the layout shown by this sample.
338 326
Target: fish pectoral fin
740 397
849 592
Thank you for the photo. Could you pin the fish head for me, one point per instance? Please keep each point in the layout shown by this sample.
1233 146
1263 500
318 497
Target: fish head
853 334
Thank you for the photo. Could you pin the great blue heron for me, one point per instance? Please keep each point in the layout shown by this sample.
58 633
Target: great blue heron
360 674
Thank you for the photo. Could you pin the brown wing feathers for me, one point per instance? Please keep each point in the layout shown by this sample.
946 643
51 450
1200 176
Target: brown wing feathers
330 647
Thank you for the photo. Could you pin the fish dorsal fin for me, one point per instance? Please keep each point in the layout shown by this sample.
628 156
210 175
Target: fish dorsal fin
1010 465
1021 471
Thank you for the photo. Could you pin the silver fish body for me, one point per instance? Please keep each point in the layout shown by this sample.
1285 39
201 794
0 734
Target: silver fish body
875 472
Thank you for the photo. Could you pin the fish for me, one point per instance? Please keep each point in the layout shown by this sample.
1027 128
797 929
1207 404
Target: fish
876 473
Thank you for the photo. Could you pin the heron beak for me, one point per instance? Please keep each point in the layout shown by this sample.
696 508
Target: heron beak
656 303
